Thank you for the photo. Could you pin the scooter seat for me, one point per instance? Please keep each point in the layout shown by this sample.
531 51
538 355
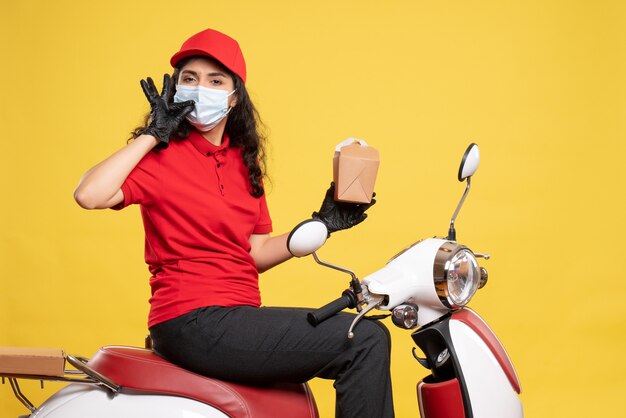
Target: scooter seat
142 370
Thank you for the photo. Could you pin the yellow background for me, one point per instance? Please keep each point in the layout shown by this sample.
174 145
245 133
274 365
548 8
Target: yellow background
539 85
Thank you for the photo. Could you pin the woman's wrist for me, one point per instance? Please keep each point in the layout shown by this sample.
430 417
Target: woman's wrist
148 140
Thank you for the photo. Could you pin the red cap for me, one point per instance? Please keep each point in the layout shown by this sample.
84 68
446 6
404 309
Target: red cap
214 44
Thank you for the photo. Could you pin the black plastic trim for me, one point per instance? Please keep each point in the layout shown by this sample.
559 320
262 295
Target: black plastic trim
432 339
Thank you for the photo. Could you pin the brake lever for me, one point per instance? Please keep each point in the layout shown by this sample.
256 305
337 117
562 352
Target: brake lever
373 302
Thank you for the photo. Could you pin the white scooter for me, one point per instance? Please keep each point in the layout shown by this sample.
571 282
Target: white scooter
426 286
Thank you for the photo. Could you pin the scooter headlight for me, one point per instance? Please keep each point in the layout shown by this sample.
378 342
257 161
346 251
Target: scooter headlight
456 274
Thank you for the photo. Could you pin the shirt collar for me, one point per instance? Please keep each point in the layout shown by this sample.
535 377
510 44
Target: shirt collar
206 147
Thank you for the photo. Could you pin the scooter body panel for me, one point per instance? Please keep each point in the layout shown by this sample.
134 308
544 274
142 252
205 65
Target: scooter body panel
440 399
408 278
81 401
489 389
475 361
480 327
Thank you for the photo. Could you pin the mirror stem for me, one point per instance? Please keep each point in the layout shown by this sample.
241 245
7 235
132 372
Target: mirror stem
452 231
354 283
332 266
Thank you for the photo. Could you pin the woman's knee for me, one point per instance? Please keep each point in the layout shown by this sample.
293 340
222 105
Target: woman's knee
375 333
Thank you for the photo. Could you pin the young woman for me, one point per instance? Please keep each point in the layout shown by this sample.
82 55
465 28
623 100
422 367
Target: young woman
196 170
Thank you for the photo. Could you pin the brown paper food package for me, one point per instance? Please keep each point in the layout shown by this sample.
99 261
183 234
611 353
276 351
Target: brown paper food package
32 361
354 172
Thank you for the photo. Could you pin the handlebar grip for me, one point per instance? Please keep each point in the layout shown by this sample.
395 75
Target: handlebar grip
347 300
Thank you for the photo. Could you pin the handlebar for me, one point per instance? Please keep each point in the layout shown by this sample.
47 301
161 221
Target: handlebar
347 300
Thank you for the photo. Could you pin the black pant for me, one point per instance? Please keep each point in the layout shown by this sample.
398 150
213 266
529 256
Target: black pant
259 345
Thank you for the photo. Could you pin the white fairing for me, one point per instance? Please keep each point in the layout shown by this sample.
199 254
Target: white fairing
408 278
491 393
88 401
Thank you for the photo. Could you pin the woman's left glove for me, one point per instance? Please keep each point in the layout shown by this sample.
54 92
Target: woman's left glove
341 215
165 116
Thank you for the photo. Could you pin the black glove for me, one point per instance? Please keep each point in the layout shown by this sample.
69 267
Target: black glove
341 215
165 116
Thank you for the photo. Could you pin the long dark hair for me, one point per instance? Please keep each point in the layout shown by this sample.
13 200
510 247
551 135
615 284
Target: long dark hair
243 127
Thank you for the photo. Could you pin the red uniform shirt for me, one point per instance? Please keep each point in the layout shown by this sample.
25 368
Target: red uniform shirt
198 216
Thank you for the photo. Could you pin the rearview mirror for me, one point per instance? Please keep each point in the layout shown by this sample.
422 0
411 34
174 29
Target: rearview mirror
307 237
469 163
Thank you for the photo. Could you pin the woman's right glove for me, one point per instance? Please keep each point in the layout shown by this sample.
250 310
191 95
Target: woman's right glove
341 215
165 116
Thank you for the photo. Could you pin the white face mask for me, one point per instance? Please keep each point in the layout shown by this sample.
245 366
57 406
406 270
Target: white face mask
211 105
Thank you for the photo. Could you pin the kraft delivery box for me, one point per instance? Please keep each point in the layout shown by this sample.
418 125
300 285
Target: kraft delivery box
355 166
32 361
